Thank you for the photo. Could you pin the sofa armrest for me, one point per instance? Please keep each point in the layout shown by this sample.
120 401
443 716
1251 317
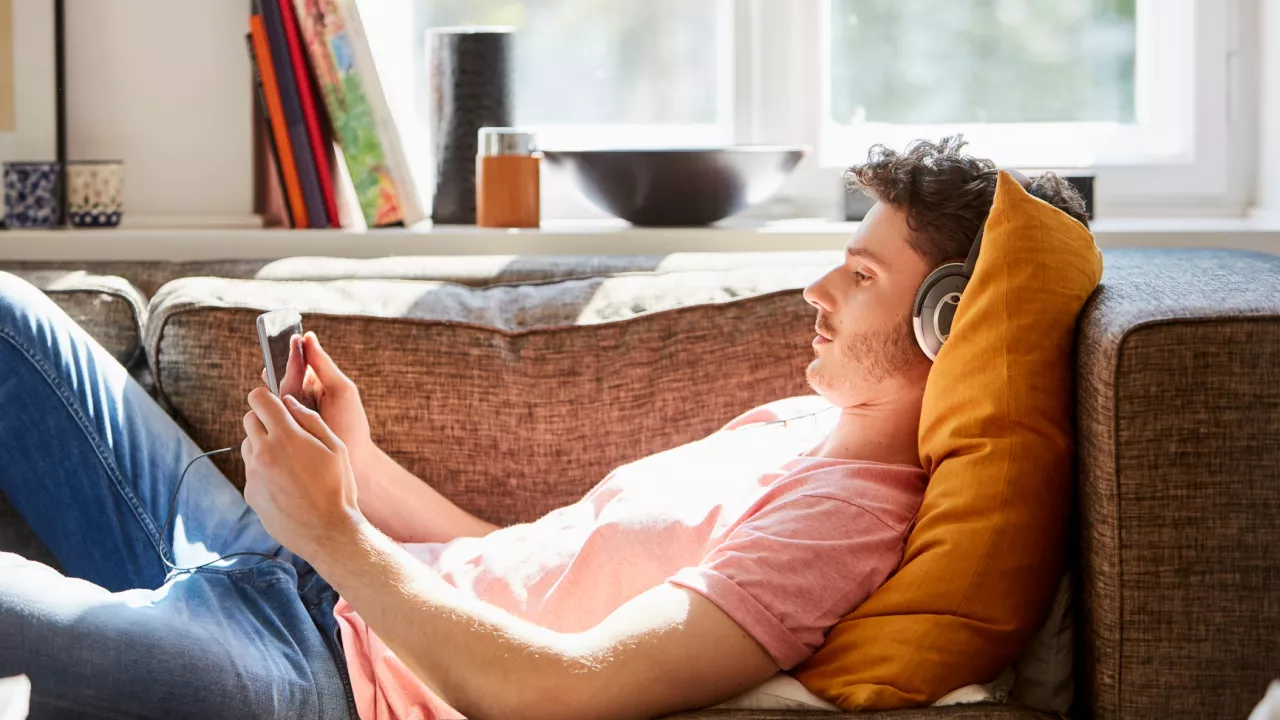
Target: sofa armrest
109 308
1179 464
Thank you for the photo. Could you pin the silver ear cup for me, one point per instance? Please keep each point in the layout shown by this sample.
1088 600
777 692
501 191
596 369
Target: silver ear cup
935 307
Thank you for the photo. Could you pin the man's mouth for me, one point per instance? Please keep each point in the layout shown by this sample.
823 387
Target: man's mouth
821 339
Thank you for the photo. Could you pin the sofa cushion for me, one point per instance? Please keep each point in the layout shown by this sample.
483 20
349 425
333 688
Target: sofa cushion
473 270
482 270
1178 390
109 308
146 275
984 559
511 400
954 712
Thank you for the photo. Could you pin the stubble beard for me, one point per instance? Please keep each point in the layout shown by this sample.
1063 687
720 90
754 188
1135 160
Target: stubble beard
865 358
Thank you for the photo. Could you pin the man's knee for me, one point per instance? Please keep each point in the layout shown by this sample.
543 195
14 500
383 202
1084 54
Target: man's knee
20 300
18 297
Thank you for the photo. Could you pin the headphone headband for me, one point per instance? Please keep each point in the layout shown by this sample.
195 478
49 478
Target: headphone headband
972 259
938 297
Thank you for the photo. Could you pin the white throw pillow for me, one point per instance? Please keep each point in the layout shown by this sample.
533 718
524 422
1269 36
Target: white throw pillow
1040 678
780 692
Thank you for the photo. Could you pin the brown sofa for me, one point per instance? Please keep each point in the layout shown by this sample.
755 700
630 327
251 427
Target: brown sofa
570 366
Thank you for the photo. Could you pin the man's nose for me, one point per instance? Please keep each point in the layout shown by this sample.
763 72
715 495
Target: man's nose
816 294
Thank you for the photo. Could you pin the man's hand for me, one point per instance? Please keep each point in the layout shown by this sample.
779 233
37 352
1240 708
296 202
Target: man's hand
298 476
314 378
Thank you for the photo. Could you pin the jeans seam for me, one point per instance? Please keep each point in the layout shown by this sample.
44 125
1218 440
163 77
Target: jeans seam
344 673
104 457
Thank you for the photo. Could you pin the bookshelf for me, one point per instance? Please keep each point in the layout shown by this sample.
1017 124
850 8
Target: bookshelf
563 237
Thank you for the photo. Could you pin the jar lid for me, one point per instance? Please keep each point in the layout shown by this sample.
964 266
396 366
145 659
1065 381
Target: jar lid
504 141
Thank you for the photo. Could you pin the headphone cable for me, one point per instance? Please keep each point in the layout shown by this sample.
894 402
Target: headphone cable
169 517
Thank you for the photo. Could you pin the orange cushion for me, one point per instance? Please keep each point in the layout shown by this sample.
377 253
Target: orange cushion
997 438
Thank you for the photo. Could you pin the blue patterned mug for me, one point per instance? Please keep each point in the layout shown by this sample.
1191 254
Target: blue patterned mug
95 192
30 194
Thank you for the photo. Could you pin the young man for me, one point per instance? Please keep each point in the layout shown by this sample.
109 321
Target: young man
679 581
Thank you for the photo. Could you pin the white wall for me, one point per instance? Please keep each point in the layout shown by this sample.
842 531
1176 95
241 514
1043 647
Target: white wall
165 85
1268 203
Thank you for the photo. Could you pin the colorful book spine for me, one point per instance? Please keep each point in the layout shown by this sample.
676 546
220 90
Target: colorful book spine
275 115
329 45
294 120
265 108
298 56
388 133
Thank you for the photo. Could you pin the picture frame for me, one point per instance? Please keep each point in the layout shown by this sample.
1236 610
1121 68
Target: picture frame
32 107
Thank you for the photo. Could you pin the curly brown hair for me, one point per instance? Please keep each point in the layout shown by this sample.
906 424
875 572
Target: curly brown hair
946 193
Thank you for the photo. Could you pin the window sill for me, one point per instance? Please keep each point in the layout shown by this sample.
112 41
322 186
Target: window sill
561 237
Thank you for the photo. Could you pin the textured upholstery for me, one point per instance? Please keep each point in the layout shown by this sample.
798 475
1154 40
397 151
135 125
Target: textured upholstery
111 309
1179 441
511 400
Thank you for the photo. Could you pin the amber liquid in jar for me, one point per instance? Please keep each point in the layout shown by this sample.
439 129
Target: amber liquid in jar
507 178
507 191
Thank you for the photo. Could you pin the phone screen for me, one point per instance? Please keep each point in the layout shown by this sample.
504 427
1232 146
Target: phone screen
274 331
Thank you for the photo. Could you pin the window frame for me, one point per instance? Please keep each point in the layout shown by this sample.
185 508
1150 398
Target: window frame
773 78
1214 177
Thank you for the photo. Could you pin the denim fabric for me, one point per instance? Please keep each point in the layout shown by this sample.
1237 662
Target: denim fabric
91 462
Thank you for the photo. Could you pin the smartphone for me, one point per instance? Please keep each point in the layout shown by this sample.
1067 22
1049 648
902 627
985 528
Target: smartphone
275 328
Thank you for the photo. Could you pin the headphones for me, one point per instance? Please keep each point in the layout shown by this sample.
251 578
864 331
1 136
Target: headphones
939 294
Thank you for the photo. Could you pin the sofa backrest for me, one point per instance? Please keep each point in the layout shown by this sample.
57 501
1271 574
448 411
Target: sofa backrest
1179 447
511 400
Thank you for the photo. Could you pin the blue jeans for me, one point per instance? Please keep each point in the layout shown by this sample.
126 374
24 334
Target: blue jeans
90 462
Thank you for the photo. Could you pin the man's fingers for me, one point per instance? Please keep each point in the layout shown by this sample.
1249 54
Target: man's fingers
323 365
311 421
264 376
269 410
253 428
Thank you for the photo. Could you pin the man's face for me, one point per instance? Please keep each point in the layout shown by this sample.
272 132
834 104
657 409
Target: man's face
864 312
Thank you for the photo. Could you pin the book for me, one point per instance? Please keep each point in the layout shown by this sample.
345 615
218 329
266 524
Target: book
388 132
323 157
275 115
269 175
330 46
291 104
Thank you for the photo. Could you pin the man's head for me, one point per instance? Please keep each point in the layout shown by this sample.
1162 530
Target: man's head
930 203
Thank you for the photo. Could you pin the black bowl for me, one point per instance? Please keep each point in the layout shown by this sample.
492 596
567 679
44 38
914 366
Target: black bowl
677 187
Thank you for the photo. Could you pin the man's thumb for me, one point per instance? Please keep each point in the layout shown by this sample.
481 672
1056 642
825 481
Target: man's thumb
323 365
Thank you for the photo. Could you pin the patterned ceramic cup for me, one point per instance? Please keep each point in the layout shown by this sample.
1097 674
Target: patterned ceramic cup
30 194
95 192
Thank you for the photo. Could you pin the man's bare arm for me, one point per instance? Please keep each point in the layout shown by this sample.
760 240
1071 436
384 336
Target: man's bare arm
666 650
392 498
408 509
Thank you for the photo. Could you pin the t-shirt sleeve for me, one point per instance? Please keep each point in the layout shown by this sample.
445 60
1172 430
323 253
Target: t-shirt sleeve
793 569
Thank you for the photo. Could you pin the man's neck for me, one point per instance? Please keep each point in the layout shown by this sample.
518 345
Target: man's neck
885 429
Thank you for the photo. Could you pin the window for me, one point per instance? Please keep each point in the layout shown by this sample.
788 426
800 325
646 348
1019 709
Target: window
917 62
1032 82
654 68
1146 94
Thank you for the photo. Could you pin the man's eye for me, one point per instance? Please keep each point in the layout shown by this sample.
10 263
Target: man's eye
860 275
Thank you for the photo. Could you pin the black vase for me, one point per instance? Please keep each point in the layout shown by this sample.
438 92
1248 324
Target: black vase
470 89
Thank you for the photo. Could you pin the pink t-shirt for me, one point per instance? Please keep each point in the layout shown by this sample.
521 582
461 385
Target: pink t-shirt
785 543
